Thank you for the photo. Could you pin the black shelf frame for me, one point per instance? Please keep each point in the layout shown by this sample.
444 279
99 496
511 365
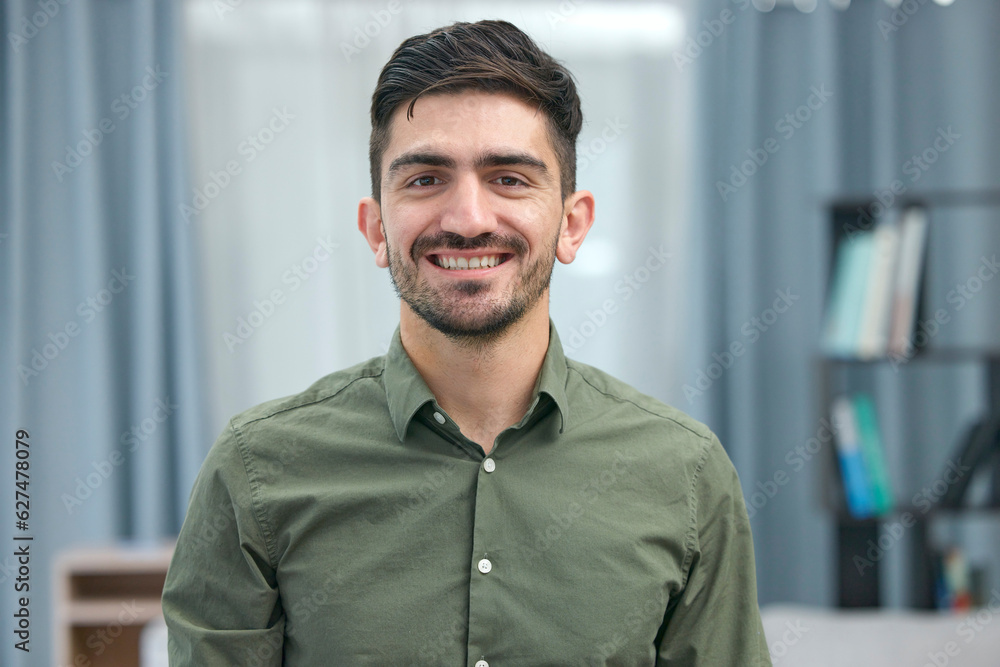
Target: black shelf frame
854 536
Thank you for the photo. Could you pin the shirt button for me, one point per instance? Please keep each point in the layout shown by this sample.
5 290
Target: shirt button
482 663
485 566
439 417
489 465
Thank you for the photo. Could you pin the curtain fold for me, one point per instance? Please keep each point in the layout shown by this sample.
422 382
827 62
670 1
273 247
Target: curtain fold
100 319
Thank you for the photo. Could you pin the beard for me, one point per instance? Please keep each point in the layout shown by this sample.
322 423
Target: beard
452 310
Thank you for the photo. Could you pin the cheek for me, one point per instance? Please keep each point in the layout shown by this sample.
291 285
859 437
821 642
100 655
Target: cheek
544 221
396 228
406 222
529 217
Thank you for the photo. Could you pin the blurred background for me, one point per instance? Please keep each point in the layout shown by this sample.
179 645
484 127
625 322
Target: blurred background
179 186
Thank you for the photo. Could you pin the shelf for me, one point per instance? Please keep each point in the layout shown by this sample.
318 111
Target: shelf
931 199
858 537
135 611
104 598
918 513
936 355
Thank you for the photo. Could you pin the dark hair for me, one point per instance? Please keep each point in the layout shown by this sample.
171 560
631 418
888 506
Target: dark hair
489 56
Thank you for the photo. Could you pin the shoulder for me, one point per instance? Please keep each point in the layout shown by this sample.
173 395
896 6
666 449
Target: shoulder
338 390
280 437
669 443
674 452
601 391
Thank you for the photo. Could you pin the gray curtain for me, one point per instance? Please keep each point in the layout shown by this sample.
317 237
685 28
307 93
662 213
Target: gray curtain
99 326
890 87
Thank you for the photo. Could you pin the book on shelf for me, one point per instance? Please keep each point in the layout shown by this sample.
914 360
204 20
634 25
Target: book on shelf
847 438
876 306
954 588
861 454
873 453
875 288
906 298
847 290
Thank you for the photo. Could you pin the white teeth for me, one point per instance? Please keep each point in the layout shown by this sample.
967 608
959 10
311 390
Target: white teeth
460 263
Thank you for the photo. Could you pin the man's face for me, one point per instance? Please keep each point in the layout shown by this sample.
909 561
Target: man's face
471 211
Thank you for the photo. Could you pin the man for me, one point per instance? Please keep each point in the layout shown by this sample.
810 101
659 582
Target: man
473 497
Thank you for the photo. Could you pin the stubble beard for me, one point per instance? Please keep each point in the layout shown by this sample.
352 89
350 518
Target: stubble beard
477 324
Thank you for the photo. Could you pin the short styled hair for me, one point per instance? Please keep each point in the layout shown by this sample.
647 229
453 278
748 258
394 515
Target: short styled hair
487 56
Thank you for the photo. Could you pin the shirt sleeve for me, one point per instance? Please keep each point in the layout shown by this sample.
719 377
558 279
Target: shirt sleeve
714 620
220 599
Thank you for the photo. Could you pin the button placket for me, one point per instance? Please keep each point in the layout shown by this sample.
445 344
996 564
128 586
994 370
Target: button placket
486 579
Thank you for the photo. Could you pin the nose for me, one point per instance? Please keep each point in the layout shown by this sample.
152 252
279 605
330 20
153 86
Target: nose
467 209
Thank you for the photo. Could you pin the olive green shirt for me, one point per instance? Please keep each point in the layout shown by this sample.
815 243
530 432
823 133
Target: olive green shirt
354 524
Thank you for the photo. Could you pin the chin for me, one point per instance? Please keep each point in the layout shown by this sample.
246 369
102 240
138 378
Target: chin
480 328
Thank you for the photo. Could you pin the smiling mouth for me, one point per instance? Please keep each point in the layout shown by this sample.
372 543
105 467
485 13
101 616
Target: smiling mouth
452 262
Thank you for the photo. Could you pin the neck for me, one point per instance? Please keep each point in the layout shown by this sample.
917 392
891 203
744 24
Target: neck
485 387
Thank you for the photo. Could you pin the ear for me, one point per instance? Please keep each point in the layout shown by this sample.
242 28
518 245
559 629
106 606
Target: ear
578 216
370 226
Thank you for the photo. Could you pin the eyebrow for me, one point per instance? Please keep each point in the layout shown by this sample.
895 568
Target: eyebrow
483 161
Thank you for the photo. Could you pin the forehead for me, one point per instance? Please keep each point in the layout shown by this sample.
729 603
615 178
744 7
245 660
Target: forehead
470 121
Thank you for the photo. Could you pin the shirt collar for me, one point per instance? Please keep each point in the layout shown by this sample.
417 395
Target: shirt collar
406 391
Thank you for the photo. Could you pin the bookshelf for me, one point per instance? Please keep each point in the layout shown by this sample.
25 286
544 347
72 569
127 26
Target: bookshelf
858 583
104 597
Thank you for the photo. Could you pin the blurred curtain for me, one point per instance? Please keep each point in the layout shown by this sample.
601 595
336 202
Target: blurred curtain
99 328
893 85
